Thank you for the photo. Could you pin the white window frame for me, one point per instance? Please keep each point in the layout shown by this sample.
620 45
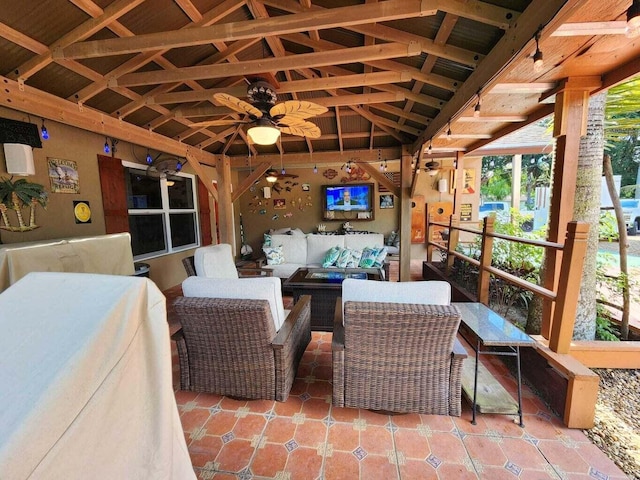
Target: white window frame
165 211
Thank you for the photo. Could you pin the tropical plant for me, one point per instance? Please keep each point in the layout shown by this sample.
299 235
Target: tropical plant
19 194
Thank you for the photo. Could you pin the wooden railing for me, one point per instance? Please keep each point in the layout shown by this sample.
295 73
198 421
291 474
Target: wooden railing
565 299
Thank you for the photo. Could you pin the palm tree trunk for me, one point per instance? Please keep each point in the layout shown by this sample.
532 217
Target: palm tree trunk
16 207
5 218
587 209
623 245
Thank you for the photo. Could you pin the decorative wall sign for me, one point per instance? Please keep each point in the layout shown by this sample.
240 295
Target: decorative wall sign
330 173
279 203
306 187
386 201
63 175
465 212
82 211
469 184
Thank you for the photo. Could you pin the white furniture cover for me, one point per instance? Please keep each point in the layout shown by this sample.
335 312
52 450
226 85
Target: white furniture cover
110 254
86 382
215 261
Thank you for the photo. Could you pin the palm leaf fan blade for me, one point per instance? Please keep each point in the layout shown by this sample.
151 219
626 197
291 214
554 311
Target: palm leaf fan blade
297 108
306 129
236 104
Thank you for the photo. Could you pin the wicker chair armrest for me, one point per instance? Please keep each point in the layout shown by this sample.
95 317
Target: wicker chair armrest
458 350
297 314
178 335
189 266
337 342
254 272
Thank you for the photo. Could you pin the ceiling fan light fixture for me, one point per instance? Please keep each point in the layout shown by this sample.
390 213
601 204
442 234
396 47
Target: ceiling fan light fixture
538 61
272 176
263 133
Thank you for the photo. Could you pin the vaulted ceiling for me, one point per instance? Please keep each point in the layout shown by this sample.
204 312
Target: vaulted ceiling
391 73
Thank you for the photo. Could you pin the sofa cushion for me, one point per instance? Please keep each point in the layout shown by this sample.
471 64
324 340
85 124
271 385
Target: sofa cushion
343 258
258 288
430 292
354 260
319 245
285 270
274 255
380 257
360 240
294 247
215 261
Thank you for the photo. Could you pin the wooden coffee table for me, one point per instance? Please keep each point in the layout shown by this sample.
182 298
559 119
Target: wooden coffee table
325 286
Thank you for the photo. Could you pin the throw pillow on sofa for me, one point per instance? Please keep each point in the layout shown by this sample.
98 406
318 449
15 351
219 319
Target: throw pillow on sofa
368 257
344 258
331 257
382 254
274 255
354 261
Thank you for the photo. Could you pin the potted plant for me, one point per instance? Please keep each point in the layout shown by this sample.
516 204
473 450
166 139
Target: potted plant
19 194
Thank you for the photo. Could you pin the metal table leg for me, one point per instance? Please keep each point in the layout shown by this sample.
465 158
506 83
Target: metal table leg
475 383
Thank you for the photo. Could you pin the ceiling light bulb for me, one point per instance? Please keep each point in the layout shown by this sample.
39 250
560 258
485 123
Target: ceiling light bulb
633 20
263 133
315 169
449 134
106 146
476 110
178 166
271 177
149 158
433 173
430 148
283 171
538 62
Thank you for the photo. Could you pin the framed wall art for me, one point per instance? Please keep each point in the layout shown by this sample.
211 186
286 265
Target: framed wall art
63 176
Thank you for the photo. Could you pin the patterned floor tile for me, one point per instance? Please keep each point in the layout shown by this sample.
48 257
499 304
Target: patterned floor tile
269 460
341 466
311 433
343 437
235 455
304 463
483 451
378 466
412 443
568 458
447 447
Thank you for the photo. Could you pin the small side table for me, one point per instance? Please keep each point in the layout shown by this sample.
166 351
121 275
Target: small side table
251 263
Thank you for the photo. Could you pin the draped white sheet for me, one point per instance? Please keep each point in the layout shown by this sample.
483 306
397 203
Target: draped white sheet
85 381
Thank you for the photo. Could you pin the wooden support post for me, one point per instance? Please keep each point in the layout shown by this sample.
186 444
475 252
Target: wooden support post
570 116
429 237
458 178
454 237
225 205
569 287
486 252
405 215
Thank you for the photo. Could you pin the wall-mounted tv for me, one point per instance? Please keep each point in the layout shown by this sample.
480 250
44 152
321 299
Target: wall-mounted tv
348 202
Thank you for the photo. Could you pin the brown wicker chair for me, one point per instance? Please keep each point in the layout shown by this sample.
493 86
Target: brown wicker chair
397 357
230 347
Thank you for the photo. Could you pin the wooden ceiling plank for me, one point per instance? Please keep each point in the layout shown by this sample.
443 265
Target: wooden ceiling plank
85 30
307 60
189 9
538 12
358 99
22 40
493 119
591 28
533 87
332 18
375 119
414 117
388 65
397 126
481 12
308 85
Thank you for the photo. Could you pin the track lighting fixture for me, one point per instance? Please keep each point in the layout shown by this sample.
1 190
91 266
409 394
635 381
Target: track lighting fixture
43 131
633 19
538 62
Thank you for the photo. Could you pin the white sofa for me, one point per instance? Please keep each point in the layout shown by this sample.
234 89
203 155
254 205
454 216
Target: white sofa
309 250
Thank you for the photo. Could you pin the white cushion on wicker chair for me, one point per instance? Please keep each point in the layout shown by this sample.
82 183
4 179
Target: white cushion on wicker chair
258 288
215 261
430 292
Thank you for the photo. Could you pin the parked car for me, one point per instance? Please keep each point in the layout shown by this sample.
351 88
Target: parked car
631 212
489 207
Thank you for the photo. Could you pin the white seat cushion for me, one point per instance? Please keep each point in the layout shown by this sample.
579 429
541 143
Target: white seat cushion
258 288
215 261
431 292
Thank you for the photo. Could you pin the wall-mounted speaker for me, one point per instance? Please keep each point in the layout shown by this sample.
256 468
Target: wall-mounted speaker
442 185
19 159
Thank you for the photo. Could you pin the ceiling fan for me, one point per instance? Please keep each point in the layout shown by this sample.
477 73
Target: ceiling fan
431 167
273 175
268 118
163 166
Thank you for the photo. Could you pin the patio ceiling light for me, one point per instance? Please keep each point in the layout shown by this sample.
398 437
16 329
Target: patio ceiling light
538 62
633 19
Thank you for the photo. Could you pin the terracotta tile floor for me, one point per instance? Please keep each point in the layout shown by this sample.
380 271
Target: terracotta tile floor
307 438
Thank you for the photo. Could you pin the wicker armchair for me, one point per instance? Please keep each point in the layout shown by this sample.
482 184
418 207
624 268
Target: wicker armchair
230 346
397 357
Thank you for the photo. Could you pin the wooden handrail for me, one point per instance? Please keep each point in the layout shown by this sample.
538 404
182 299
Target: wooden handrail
565 299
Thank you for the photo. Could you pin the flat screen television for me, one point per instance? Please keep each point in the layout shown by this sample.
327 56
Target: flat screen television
348 202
